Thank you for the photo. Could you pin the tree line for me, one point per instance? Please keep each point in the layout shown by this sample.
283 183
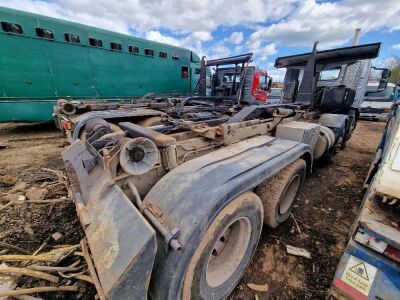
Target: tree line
393 64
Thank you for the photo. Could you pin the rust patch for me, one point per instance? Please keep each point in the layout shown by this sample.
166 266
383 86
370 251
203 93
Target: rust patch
155 210
73 178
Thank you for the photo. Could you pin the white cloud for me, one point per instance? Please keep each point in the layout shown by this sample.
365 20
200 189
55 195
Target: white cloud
219 50
391 62
192 41
154 35
203 36
278 75
193 23
261 49
396 47
239 49
236 38
182 15
332 24
56 10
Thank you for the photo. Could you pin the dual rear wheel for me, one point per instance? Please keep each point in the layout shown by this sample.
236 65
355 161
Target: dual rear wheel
229 243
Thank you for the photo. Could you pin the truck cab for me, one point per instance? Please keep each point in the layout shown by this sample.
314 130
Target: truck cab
377 104
331 82
255 88
233 77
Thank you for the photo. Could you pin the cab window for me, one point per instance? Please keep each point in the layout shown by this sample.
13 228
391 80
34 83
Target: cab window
185 72
330 74
262 83
228 78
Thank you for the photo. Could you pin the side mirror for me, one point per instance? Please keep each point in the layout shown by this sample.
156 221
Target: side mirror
383 81
383 84
386 73
269 84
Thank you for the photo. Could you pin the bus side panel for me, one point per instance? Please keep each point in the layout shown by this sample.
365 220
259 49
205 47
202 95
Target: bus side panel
26 111
69 63
35 69
24 68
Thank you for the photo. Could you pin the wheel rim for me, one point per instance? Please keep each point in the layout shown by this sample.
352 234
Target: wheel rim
288 196
228 251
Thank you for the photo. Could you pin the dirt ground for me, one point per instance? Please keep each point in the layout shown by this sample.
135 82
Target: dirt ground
29 148
324 212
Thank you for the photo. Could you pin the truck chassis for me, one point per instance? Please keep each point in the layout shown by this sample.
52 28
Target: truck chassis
174 209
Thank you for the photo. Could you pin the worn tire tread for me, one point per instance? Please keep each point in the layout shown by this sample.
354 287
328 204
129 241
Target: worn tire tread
270 190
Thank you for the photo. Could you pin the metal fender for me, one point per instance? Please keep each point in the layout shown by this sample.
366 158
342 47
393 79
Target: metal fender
190 195
81 120
121 241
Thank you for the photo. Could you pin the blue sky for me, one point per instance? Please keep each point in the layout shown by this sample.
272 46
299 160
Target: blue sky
218 28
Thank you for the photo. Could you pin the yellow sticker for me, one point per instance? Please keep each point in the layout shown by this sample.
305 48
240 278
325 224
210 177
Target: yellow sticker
359 275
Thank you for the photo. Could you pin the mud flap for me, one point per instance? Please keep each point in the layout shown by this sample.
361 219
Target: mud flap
121 241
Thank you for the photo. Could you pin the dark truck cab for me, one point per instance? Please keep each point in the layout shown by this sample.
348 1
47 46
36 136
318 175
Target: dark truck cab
234 84
249 84
331 82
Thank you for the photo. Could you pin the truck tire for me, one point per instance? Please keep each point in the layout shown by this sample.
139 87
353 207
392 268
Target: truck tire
225 250
152 121
279 192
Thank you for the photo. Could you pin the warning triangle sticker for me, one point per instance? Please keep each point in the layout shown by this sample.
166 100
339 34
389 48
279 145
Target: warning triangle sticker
360 270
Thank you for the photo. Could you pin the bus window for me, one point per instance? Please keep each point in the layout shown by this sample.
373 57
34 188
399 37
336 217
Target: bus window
148 52
72 38
95 42
12 27
115 46
133 49
44 33
163 54
185 72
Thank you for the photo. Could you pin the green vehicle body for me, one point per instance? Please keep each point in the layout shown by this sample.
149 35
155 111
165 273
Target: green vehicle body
37 70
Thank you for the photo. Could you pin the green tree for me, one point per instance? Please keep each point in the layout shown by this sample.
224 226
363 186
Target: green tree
393 64
395 75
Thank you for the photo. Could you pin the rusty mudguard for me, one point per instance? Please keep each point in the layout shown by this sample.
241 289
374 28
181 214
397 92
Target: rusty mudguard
121 241
123 244
192 194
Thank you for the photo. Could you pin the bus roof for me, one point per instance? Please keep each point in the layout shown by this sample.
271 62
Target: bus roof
14 12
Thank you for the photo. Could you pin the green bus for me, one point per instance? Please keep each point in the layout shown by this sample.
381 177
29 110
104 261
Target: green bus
43 59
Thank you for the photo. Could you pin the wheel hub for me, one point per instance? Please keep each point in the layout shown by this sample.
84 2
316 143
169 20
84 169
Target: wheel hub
289 194
228 251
